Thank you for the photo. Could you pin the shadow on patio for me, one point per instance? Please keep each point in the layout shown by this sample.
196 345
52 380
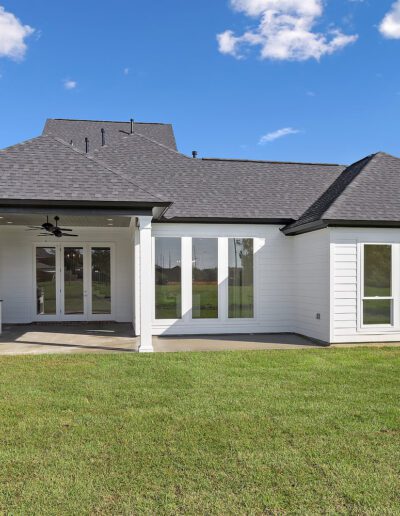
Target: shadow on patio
67 338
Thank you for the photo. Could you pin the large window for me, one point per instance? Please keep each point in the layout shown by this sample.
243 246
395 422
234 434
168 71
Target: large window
168 278
240 278
205 278
377 287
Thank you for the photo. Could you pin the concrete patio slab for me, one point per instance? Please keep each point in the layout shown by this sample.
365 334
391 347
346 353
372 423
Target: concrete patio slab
106 337
67 338
231 342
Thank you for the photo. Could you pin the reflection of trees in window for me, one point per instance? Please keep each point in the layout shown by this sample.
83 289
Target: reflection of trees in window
168 278
46 280
377 270
377 302
101 280
205 278
240 278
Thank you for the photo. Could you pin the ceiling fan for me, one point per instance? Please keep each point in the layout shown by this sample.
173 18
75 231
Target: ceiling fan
51 229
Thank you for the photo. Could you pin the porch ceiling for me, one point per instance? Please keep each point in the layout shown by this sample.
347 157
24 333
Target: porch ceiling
27 219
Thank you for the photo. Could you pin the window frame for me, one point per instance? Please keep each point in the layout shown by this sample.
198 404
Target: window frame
207 319
187 278
183 254
395 287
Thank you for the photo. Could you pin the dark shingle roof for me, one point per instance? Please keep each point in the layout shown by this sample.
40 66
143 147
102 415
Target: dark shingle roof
47 168
219 189
146 167
77 130
366 191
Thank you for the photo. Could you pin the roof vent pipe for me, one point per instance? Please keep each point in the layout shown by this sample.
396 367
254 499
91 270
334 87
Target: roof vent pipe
194 154
87 145
103 137
132 125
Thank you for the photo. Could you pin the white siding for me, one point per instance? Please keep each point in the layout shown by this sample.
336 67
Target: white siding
311 284
273 273
17 269
345 284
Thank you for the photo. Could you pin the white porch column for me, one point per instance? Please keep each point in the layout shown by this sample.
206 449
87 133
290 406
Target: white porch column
145 297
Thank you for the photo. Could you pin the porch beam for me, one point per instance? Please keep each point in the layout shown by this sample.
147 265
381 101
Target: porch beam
145 297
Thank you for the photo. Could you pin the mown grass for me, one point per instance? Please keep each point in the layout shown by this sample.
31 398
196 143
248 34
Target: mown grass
280 432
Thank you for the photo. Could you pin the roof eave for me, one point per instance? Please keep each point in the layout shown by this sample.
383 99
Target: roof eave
324 223
226 220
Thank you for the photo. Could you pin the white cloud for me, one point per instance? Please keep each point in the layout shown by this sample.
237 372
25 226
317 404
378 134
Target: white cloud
126 71
284 31
12 35
275 135
70 85
390 25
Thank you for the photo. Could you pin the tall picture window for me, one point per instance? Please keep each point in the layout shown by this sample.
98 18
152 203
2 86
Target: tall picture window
240 278
168 278
205 278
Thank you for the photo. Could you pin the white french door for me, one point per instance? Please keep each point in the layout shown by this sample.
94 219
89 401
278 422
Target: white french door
74 282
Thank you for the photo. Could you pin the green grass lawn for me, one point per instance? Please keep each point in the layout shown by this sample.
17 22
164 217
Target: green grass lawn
280 432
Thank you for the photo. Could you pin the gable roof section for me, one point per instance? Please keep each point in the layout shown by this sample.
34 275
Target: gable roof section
47 168
366 193
77 130
219 190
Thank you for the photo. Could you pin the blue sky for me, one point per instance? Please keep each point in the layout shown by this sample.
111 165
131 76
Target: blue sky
332 95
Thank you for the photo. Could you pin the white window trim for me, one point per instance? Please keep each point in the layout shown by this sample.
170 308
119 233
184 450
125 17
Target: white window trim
186 282
395 297
87 316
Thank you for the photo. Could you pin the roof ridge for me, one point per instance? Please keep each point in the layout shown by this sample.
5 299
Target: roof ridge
92 158
157 143
108 121
368 161
275 162
298 223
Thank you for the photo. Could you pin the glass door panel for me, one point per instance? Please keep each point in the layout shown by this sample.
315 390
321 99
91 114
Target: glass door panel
101 280
74 303
46 285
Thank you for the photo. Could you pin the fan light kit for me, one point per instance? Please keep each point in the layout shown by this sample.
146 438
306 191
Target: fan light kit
51 229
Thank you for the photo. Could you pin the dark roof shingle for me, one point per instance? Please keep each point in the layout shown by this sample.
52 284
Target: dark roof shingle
76 131
46 168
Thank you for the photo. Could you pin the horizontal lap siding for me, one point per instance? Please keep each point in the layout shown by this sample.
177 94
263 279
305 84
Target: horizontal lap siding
273 278
311 284
345 290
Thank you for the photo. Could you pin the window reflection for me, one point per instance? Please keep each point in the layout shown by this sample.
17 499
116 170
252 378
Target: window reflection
46 281
73 281
168 278
240 278
101 280
205 278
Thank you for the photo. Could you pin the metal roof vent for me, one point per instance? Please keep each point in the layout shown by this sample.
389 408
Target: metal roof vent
87 145
132 129
103 137
194 154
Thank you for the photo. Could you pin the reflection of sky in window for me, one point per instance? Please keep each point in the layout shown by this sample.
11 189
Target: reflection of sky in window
205 253
168 252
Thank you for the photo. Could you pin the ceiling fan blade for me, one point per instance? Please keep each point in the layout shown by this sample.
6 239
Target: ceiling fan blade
69 235
65 229
34 228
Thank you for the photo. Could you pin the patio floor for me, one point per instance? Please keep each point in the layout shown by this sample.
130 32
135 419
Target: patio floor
118 337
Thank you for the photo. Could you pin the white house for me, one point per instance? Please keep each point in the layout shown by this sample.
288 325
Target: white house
178 245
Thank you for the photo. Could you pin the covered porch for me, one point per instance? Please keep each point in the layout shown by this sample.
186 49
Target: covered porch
82 290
